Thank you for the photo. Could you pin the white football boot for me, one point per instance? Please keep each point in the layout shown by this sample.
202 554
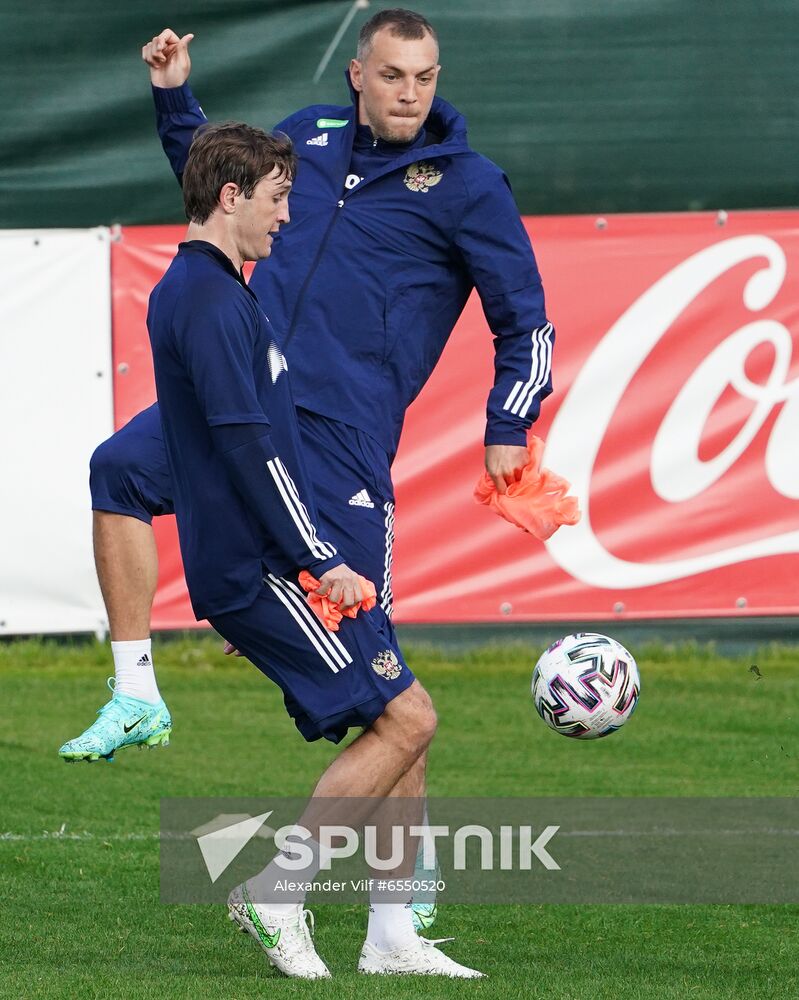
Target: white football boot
285 938
420 958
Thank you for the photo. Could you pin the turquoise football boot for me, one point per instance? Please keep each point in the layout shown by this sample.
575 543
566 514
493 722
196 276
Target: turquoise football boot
123 722
425 909
424 915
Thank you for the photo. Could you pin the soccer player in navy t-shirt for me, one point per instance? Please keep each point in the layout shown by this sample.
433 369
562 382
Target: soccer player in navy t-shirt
247 527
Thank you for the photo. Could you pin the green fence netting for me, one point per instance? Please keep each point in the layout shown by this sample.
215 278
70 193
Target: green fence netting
624 105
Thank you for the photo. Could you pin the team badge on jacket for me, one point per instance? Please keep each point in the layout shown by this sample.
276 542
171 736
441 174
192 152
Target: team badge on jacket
421 177
387 665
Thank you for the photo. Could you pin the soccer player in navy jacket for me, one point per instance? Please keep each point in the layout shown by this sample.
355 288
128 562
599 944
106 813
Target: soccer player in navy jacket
247 523
396 219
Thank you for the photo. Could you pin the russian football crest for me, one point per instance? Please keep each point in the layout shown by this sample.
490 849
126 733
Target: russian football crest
387 665
421 177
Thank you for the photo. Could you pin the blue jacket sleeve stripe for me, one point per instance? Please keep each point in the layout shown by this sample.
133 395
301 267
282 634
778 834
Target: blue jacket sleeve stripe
523 393
327 645
297 510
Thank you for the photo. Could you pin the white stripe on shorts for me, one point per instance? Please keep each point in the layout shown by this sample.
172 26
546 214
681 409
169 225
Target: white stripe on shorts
329 646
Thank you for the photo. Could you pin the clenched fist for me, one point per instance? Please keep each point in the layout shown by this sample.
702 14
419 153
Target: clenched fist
505 464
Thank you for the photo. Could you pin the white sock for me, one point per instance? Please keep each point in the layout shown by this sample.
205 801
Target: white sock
390 926
133 669
261 886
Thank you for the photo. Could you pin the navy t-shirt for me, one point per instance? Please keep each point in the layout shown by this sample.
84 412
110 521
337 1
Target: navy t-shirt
242 496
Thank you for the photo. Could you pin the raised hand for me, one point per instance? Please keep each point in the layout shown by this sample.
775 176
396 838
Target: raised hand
167 55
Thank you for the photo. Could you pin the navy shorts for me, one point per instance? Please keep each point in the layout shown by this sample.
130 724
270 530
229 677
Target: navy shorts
350 472
331 681
129 474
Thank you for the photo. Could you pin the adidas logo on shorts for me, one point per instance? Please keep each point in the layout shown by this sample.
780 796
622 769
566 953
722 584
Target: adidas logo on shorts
319 140
361 499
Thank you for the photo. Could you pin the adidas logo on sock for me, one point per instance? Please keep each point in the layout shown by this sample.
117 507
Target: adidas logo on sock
319 140
361 499
143 661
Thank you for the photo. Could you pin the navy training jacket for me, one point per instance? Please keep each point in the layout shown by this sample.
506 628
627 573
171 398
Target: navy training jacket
364 286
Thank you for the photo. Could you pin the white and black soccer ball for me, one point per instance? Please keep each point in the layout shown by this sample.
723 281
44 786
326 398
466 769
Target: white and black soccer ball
586 685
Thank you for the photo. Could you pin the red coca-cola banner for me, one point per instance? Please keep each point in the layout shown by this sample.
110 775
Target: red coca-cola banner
675 416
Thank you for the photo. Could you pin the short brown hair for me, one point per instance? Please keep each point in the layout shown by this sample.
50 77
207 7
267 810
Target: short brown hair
231 152
400 22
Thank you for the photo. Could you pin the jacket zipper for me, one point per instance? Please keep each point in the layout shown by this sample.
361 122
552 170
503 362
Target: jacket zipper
323 244
312 271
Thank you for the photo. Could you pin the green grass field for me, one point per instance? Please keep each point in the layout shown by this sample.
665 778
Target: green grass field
80 915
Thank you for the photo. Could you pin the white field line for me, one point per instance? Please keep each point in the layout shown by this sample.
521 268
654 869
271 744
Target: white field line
98 837
633 834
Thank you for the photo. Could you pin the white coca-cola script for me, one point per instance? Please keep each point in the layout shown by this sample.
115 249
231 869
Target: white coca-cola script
677 471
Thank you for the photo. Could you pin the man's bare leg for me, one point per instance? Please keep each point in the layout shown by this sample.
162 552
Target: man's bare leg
385 762
372 764
413 784
127 567
389 757
126 560
392 922
394 749
392 945
363 774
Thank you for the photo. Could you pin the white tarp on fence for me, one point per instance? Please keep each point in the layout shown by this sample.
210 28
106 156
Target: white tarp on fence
55 407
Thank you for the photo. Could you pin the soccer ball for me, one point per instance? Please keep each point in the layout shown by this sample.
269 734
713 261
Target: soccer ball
586 686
